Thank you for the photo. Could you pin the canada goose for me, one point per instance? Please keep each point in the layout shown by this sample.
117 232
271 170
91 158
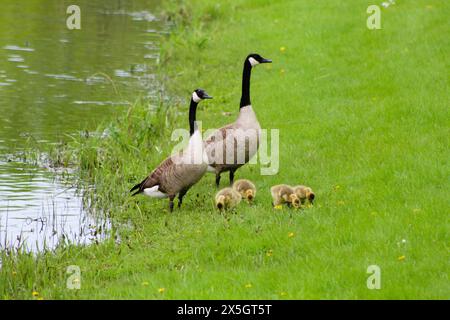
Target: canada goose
304 193
244 133
227 198
283 193
176 174
246 188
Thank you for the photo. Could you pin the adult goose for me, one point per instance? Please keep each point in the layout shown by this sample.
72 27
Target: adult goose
178 173
233 145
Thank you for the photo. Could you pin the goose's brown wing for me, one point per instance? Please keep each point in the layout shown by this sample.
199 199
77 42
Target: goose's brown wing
155 178
219 136
220 133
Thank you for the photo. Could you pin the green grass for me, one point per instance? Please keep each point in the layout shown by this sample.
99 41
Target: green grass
363 119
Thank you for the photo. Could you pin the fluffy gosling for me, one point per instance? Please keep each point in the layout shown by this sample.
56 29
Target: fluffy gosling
227 198
283 193
304 193
246 189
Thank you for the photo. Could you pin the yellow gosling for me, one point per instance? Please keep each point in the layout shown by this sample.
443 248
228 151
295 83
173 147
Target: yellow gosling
227 198
282 194
246 189
304 193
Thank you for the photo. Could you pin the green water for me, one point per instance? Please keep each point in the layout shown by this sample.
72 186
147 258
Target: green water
56 81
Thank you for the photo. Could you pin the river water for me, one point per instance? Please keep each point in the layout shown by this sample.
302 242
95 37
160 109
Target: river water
56 82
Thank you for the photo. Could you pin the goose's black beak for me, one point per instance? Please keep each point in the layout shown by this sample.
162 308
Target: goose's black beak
207 97
266 61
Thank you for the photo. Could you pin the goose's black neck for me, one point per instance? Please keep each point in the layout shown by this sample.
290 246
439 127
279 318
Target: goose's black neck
192 117
245 98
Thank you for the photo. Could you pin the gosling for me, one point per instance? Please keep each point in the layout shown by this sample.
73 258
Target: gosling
227 198
304 193
246 188
283 193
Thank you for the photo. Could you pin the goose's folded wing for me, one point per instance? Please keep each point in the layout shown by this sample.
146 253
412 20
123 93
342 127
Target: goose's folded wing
157 176
219 134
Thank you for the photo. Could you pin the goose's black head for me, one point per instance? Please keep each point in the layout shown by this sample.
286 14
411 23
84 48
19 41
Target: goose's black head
311 197
199 95
255 59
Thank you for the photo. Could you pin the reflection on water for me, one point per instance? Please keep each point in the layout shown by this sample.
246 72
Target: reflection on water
39 209
56 81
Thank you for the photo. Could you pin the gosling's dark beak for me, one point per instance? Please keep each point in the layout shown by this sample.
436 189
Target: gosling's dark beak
266 61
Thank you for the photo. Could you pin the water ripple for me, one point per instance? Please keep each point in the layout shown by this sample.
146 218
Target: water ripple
17 48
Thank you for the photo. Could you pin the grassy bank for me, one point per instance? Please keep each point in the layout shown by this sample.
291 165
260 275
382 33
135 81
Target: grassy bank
363 120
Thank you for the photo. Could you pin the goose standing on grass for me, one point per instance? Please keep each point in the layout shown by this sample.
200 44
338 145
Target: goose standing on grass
232 134
178 173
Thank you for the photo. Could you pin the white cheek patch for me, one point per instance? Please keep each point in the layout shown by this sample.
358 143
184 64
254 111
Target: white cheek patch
195 97
253 61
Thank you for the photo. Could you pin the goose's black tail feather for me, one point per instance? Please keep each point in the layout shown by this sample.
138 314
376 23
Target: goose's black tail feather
138 186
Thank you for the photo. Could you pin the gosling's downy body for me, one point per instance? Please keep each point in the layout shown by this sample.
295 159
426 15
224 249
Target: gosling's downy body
233 145
282 194
178 173
227 198
246 189
304 193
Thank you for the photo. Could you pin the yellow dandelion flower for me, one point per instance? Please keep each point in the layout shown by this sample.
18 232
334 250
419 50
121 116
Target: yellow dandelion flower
283 294
40 298
145 283
35 293
278 207
282 71
291 234
161 290
269 253
401 258
282 49
248 285
14 273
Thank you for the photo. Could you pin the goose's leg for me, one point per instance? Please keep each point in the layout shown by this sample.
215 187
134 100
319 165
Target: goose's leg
232 176
171 202
217 179
180 197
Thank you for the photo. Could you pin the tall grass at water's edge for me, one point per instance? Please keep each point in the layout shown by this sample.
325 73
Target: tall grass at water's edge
109 159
